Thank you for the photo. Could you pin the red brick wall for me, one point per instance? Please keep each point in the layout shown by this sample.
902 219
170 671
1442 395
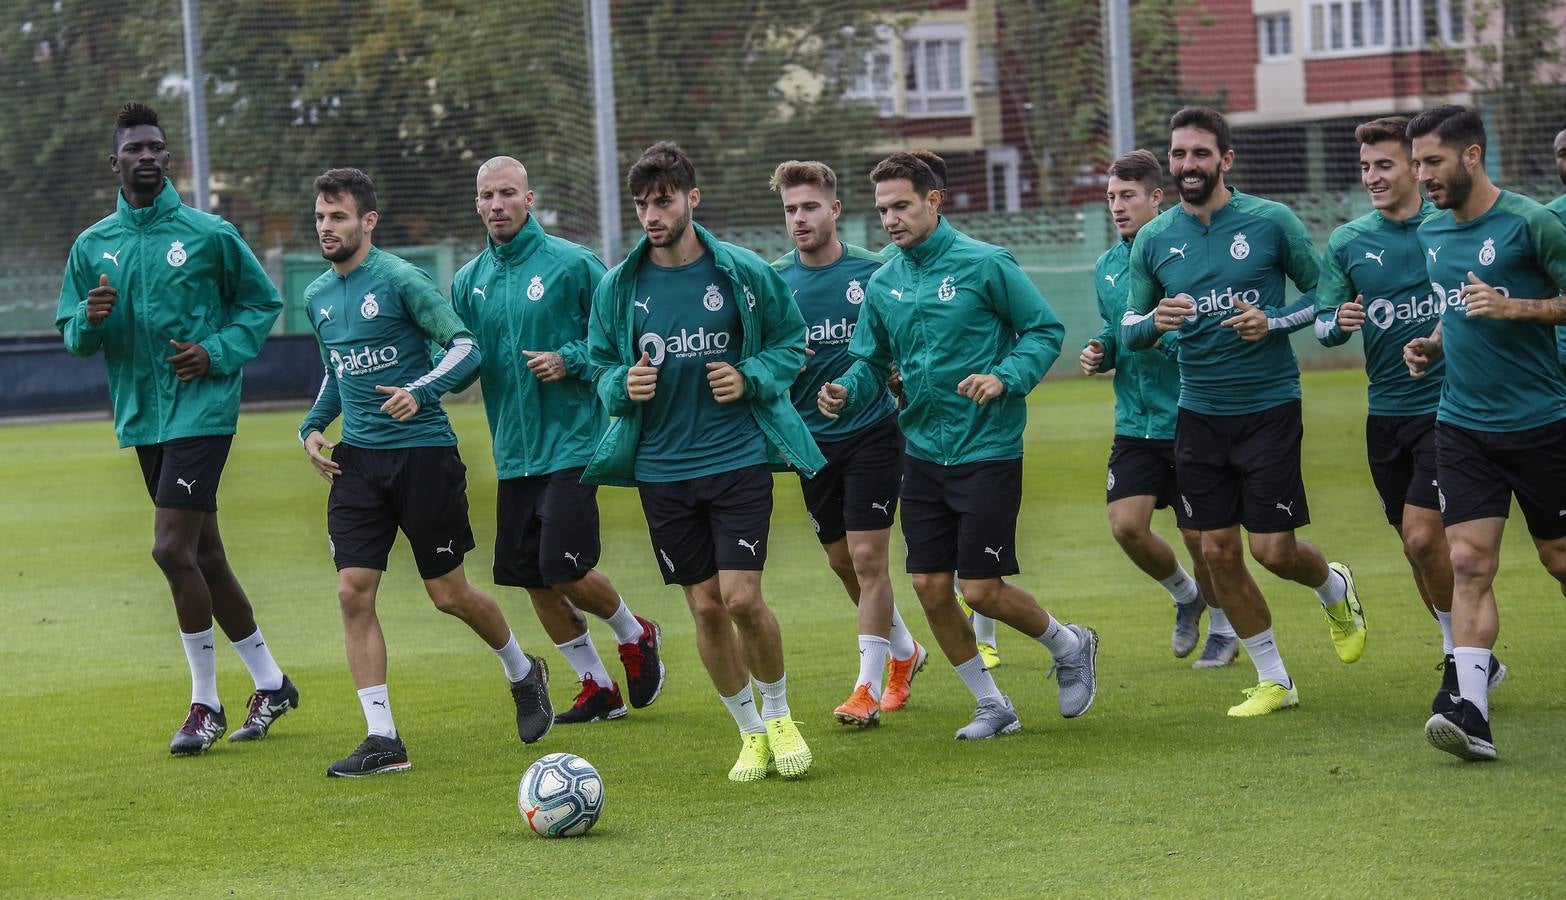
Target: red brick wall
1219 55
1394 74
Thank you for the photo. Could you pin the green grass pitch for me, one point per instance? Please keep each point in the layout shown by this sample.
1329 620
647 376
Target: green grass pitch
1154 792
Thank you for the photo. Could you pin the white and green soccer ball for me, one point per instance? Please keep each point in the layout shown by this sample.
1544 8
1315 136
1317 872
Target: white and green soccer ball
561 795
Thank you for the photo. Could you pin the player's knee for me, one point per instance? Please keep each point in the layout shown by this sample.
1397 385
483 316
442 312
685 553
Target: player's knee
1275 554
982 593
1221 553
933 590
453 601
868 563
174 556
1473 563
1554 559
355 598
1424 547
1128 531
843 568
709 613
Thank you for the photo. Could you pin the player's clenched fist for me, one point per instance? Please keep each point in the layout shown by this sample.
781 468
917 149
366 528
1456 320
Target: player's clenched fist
726 382
100 301
1092 357
1420 353
1351 315
314 443
641 380
831 399
1172 312
981 389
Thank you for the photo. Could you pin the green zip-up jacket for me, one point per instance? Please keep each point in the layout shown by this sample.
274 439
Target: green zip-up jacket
773 351
949 308
1147 383
183 275
533 293
1558 206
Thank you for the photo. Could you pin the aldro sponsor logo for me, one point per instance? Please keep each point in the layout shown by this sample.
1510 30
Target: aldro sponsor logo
687 343
363 361
1384 313
829 331
1224 302
1453 299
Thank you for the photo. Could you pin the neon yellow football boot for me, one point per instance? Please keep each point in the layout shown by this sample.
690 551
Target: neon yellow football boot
1346 619
754 758
1266 697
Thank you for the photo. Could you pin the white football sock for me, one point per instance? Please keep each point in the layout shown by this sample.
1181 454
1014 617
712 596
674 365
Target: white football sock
1061 641
584 660
1473 677
1445 618
983 629
200 653
515 662
377 711
978 679
774 697
742 706
258 659
1181 586
1333 589
626 629
902 639
873 650
1264 653
1218 622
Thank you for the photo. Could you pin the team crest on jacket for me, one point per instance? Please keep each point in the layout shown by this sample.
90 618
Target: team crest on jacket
856 293
1487 252
535 289
369 308
947 290
713 299
1240 248
750 298
176 255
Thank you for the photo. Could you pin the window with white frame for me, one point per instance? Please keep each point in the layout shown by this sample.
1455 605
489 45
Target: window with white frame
1355 27
935 71
1004 163
1273 37
876 83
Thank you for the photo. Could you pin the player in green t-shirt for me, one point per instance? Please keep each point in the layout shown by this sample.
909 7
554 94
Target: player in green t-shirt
396 465
1373 283
1497 260
1558 206
853 500
1237 443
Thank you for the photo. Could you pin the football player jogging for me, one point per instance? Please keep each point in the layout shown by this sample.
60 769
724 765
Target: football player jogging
1498 262
1558 206
694 344
1377 256
971 336
1217 254
852 501
1141 475
178 304
396 464
527 297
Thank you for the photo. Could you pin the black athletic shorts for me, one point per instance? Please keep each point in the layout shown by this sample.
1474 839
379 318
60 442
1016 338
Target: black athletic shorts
1242 470
184 473
962 517
1479 472
857 489
701 525
1402 455
1140 467
421 490
546 529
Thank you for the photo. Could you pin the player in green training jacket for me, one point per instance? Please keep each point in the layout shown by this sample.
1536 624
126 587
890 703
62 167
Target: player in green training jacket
1497 261
1237 441
694 343
1558 206
527 298
396 465
1141 475
971 336
178 304
852 501
1373 283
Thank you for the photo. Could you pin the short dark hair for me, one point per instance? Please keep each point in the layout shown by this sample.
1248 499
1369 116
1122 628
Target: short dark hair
1386 128
1456 126
353 182
1207 119
936 164
663 165
795 173
133 115
1141 166
908 166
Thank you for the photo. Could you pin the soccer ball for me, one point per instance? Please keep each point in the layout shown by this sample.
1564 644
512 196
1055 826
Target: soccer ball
561 795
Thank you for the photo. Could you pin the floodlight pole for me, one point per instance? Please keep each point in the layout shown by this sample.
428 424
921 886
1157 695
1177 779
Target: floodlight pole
1117 47
197 106
601 59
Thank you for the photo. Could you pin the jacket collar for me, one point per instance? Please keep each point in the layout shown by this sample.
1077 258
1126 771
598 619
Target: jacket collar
519 248
1425 209
939 241
166 203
